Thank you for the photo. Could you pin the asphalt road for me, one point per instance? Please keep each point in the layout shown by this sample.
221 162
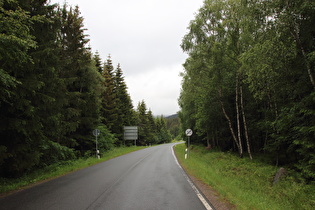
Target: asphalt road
147 179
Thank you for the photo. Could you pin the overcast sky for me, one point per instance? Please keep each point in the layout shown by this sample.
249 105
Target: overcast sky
144 36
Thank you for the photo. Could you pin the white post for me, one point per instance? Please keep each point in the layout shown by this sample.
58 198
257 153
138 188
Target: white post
188 153
96 147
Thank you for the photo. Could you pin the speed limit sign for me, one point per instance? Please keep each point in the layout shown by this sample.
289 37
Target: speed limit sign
96 132
189 132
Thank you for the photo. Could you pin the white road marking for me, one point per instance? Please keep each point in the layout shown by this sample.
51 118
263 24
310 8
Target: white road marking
200 196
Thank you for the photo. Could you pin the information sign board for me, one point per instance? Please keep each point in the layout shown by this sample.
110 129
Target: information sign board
131 132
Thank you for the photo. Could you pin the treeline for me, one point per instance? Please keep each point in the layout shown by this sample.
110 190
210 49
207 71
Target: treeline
248 84
152 130
173 125
54 91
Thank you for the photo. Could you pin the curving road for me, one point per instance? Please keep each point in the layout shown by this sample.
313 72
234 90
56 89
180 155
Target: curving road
147 179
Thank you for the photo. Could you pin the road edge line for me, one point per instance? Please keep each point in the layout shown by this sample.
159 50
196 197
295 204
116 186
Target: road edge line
203 200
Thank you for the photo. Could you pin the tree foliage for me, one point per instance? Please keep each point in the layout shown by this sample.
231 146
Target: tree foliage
53 91
152 130
248 82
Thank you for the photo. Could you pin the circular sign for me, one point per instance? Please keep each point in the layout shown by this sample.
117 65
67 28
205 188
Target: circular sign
189 132
96 132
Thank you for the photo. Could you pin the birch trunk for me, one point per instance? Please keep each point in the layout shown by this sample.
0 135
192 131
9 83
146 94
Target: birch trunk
239 138
244 121
228 119
295 34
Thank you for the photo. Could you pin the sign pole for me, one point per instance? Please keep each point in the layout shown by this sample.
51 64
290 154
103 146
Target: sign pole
96 132
188 133
188 147
96 147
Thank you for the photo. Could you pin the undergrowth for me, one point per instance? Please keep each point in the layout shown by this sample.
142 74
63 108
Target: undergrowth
248 184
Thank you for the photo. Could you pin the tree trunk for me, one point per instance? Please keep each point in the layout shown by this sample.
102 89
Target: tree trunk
295 34
245 124
228 119
239 138
208 140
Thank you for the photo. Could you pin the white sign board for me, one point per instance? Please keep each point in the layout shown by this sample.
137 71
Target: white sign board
188 132
131 132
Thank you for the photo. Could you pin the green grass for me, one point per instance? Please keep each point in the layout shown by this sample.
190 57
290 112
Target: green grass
246 183
59 169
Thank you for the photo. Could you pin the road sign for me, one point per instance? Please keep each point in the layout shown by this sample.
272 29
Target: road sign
189 132
131 132
96 132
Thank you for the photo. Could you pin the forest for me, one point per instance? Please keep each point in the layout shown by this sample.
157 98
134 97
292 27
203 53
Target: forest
248 82
54 91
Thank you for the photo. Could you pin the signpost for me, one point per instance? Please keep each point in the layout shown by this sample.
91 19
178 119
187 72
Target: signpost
131 133
96 133
188 133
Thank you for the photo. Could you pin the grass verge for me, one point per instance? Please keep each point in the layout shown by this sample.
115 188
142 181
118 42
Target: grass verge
246 183
59 169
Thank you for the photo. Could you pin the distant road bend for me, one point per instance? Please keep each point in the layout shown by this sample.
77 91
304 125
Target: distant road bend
147 179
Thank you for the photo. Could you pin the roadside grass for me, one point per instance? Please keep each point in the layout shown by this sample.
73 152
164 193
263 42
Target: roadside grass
246 183
59 169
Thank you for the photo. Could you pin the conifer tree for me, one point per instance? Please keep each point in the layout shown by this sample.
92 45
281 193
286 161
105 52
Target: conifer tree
152 129
19 127
162 133
109 98
98 62
81 77
125 114
46 66
142 123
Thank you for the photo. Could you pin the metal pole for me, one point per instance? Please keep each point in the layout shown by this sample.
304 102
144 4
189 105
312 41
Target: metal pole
188 146
96 146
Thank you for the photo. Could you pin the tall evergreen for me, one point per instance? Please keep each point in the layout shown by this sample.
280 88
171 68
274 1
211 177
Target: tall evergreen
98 62
142 122
20 128
152 129
109 108
81 112
125 113
163 135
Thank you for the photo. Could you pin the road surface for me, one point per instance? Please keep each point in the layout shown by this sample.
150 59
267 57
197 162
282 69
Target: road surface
147 179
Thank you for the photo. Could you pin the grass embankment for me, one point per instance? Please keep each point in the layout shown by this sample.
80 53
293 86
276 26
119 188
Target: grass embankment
59 169
246 183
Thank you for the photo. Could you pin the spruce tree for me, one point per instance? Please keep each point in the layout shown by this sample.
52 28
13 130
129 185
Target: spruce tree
125 114
81 109
16 40
162 133
109 99
98 62
142 122
152 129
